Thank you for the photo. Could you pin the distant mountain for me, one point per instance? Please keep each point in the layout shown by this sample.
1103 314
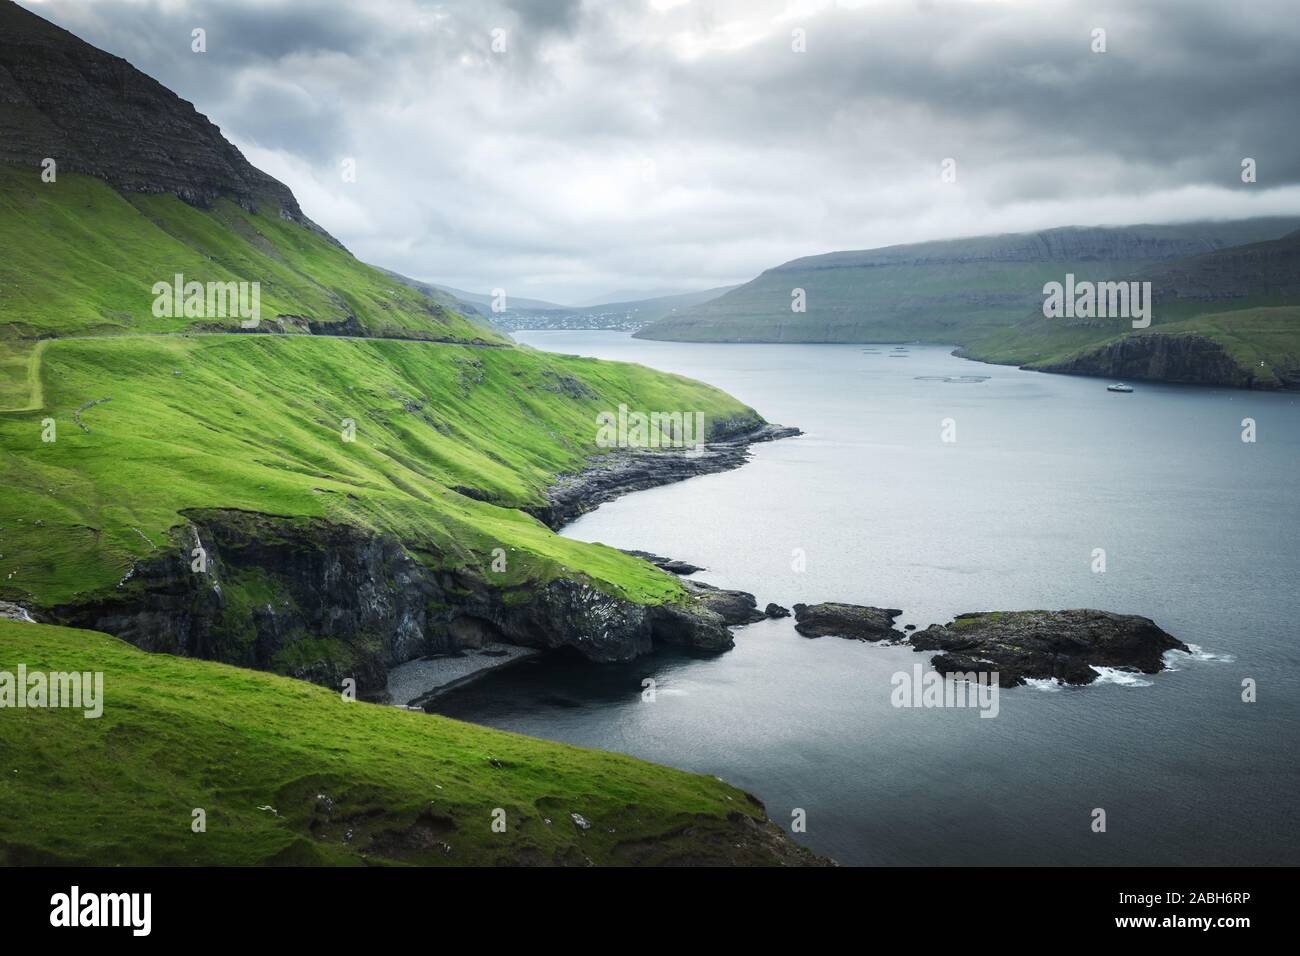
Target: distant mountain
950 292
628 295
521 313
1229 317
627 316
484 300
441 296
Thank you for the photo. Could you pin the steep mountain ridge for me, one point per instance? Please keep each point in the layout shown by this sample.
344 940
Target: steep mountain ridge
352 494
461 434
95 113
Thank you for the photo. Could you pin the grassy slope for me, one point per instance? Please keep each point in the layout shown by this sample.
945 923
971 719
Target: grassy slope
949 303
1250 335
957 292
179 734
81 259
1246 298
254 423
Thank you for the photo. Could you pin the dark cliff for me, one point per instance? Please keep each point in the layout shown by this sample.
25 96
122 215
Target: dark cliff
1181 358
324 602
96 114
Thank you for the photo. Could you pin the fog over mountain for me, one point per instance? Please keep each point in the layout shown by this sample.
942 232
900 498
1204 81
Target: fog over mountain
674 145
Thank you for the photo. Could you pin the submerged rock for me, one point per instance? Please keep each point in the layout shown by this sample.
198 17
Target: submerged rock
1064 645
855 621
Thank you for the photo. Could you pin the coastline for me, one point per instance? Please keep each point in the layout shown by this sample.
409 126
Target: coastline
418 683
623 471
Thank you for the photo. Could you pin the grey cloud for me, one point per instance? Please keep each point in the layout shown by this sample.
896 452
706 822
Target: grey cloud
624 144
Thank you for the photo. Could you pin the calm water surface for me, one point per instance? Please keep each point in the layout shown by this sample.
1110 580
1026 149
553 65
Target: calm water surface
1200 533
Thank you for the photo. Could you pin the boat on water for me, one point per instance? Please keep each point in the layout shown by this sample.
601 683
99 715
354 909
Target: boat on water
1119 387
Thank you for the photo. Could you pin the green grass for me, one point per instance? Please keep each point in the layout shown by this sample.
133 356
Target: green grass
945 302
349 782
1263 340
81 259
256 423
985 296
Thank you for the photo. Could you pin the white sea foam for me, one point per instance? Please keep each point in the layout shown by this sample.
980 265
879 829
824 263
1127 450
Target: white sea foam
1049 684
1199 654
1113 675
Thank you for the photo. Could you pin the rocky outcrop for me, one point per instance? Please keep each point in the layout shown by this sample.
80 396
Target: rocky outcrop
633 469
1063 645
734 607
1183 358
94 113
14 612
1017 645
671 565
853 621
325 602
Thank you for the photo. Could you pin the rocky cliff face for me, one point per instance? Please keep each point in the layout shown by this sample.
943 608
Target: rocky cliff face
1183 358
96 114
325 602
1259 273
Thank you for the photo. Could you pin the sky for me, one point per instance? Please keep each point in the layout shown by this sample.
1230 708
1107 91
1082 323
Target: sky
588 150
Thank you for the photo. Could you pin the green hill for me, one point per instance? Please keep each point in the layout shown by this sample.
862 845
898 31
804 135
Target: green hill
1229 317
291 774
121 448
358 489
951 292
82 258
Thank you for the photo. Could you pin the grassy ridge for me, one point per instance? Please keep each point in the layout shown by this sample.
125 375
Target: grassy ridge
944 302
456 431
1245 299
1251 336
950 291
81 259
256 423
346 782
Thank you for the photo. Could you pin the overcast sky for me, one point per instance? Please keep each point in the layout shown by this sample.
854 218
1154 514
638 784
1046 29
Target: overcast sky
664 145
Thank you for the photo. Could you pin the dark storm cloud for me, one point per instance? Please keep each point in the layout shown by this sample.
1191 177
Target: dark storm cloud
671 144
